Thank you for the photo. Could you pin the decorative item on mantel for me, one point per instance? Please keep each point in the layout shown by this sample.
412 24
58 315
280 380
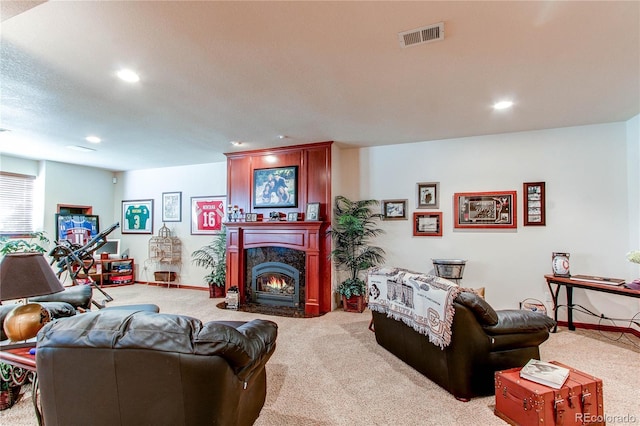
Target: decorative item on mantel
634 257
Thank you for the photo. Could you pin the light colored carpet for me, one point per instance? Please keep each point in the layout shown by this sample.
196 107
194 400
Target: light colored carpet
330 370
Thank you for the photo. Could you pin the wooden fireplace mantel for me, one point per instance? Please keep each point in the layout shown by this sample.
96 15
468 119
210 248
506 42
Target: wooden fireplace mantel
303 235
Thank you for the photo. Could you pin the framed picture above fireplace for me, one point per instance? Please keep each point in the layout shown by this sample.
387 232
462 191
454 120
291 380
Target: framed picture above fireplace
275 187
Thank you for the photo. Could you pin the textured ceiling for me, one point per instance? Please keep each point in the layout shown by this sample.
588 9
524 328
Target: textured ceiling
213 72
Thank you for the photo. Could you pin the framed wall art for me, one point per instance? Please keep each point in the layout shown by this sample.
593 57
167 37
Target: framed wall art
534 204
427 224
485 209
394 210
207 214
313 211
137 217
77 228
275 187
428 194
172 206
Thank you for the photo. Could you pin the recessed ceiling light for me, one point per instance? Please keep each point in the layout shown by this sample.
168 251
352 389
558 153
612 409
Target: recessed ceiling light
236 143
128 75
93 139
80 148
503 105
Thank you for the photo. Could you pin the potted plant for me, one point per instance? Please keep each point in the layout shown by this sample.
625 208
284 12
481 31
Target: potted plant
13 245
213 257
353 228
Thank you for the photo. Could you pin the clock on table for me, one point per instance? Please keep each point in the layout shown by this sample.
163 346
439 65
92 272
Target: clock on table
560 264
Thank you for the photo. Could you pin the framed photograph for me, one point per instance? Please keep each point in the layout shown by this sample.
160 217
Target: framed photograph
485 209
534 204
251 217
276 187
427 224
77 228
313 210
172 206
207 214
292 217
394 209
137 217
428 194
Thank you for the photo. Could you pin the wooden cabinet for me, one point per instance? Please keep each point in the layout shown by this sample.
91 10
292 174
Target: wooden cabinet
111 272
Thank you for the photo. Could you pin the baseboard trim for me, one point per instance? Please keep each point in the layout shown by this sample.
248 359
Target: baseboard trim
603 327
172 284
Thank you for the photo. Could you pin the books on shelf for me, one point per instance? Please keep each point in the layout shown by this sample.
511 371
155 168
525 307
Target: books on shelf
544 373
598 280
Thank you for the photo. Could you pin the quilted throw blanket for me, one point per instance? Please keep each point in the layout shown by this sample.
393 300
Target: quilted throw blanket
422 301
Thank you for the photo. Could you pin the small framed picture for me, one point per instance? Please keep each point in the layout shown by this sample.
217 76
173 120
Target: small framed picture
428 194
394 209
427 224
534 204
292 217
251 217
313 210
137 217
172 206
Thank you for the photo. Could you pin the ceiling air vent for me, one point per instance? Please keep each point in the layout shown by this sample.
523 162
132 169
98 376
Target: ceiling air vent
422 35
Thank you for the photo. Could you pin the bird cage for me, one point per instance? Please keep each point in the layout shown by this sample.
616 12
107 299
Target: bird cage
164 248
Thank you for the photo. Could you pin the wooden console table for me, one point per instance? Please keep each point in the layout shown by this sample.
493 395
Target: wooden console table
570 284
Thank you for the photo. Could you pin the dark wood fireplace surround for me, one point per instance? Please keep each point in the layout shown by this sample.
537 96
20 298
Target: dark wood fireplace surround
314 185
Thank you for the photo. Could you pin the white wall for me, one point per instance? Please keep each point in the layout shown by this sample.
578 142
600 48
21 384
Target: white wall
587 194
192 181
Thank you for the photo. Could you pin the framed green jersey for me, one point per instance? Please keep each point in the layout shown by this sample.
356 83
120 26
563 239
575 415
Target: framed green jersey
137 217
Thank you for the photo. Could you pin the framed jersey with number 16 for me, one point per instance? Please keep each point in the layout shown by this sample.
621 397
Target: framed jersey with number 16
137 217
207 214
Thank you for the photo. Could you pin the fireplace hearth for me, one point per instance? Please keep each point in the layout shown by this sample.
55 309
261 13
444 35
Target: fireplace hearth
275 276
275 283
297 244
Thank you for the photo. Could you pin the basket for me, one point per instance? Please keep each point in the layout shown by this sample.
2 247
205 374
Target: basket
164 276
451 269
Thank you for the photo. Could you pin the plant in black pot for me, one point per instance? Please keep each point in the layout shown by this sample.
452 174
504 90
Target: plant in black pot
213 257
353 228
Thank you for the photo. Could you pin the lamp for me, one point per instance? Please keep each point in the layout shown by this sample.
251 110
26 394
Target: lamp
25 275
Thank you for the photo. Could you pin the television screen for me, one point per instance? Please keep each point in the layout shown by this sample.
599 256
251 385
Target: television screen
112 247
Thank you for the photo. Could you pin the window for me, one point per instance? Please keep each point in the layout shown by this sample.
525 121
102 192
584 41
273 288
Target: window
16 204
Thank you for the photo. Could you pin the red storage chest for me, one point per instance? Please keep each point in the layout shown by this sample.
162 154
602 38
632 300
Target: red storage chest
523 402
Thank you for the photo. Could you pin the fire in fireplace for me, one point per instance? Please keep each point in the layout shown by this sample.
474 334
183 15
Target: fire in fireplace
275 283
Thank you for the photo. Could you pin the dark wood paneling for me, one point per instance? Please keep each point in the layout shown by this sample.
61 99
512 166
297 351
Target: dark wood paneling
314 185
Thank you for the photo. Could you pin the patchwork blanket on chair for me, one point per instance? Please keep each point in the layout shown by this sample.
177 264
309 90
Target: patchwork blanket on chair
423 302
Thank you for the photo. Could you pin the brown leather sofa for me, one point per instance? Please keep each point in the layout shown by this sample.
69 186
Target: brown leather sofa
121 367
483 341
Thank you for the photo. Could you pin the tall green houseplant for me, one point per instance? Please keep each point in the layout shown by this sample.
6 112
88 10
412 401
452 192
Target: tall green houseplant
213 257
354 225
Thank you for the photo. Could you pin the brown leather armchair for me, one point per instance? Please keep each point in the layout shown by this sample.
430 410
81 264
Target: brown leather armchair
119 367
482 341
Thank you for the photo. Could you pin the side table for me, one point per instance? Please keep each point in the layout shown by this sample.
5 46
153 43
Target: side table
19 358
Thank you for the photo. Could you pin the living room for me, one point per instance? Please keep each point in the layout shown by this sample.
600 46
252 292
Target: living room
591 172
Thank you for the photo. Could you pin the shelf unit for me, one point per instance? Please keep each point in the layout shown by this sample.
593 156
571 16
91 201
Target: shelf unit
111 272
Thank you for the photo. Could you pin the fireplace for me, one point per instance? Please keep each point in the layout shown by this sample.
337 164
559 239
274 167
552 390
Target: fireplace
296 244
275 283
